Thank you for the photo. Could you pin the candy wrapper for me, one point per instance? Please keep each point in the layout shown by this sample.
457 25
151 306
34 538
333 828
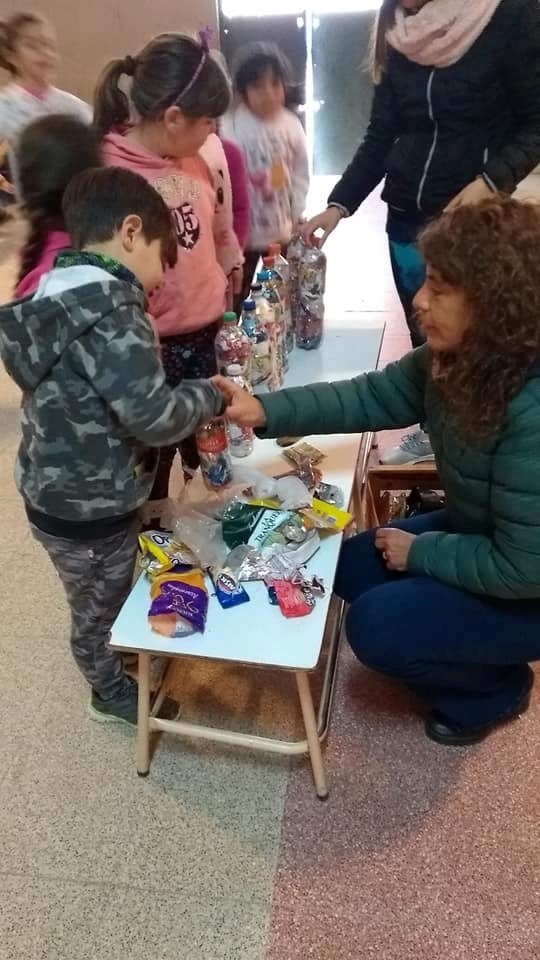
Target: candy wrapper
331 494
295 600
303 451
161 553
278 561
229 592
179 604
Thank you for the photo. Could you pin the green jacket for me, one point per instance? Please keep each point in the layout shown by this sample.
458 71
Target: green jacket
492 489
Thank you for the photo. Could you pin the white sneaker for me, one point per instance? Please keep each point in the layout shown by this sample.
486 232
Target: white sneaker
414 448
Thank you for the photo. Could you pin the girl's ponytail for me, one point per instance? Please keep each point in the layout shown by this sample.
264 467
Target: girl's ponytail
111 104
50 152
38 229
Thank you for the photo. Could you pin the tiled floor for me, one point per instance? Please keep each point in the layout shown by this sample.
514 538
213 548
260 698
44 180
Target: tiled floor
419 853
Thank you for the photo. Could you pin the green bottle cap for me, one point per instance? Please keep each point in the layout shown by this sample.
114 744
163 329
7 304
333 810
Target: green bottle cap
230 317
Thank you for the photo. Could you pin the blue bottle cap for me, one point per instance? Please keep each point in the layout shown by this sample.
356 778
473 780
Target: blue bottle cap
263 275
249 304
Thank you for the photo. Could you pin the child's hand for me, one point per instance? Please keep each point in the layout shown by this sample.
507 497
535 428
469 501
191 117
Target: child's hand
242 408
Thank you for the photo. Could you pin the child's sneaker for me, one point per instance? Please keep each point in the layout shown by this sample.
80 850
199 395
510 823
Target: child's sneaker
124 709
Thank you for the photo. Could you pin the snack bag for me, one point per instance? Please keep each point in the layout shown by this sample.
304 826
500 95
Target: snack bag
179 604
324 516
229 592
294 599
161 552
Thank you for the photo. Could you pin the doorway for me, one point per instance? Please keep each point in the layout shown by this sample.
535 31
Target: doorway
327 43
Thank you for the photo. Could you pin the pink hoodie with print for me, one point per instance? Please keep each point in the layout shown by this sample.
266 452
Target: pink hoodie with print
192 294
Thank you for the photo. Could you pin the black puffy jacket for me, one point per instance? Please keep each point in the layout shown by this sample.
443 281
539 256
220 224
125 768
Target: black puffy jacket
433 130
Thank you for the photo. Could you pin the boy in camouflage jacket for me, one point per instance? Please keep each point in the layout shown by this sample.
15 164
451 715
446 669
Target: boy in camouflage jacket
95 407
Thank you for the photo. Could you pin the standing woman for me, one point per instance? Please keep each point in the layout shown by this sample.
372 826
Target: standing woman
455 116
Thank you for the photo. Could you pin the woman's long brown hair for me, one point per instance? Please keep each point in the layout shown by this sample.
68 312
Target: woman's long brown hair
377 54
491 253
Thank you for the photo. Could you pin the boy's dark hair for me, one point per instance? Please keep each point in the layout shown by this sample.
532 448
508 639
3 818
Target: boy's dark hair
50 152
97 202
171 70
10 30
256 59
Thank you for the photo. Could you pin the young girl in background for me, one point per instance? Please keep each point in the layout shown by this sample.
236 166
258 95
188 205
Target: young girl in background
28 51
228 251
49 154
274 146
177 91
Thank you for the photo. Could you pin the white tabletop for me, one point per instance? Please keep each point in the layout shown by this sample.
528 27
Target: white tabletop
257 633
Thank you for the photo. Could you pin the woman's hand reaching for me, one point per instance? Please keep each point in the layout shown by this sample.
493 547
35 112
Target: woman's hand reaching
394 546
326 221
242 408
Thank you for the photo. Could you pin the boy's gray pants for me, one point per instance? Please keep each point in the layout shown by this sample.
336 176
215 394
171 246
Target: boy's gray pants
97 577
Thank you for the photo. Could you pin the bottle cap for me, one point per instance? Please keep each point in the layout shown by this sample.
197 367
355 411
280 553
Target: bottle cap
263 276
274 250
269 261
256 287
234 370
250 304
230 317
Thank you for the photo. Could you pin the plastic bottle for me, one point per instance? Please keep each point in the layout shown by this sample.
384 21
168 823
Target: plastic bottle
232 346
241 439
276 283
295 252
255 330
310 324
275 330
213 448
283 270
312 283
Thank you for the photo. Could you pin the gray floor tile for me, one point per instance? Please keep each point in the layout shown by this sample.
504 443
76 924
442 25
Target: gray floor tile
46 920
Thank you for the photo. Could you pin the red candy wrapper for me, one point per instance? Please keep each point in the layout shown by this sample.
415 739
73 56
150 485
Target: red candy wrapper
293 599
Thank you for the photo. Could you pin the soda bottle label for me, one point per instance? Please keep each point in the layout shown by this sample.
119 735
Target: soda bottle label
212 440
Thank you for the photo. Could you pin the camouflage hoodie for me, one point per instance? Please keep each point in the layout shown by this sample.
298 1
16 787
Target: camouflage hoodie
95 399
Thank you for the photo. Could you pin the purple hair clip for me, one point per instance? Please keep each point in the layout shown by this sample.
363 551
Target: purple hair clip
205 36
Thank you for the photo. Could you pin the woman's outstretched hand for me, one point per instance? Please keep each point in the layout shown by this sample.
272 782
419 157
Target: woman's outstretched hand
394 546
326 221
242 408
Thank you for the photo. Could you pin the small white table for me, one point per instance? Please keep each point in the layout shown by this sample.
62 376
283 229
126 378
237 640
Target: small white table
256 634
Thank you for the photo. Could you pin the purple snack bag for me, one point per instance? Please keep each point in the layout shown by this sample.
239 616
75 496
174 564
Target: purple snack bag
179 609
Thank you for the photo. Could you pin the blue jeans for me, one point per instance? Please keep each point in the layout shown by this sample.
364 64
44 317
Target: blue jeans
464 655
408 268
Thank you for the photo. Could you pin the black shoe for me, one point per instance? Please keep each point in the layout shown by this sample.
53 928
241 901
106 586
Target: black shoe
440 731
124 709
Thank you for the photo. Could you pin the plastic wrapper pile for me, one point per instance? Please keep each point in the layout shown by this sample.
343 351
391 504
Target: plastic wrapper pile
258 529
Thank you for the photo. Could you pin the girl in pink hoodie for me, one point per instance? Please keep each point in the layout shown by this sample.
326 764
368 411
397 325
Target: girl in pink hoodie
177 91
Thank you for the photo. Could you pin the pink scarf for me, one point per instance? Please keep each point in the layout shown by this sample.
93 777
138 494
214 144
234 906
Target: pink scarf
442 31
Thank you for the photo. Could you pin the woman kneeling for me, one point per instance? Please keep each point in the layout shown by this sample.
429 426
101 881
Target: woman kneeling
449 602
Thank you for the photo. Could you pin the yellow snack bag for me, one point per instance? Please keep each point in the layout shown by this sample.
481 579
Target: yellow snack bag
324 516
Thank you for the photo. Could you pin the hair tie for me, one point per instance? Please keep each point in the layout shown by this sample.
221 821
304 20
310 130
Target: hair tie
128 65
205 36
